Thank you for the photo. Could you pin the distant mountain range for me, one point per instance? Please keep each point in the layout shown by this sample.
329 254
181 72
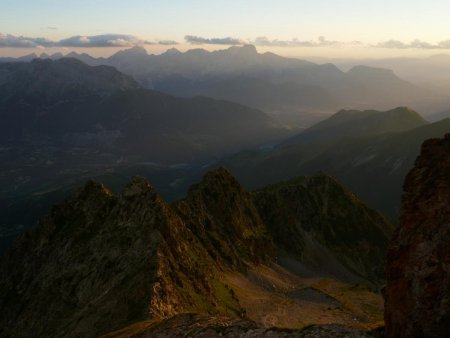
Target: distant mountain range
67 104
265 81
432 71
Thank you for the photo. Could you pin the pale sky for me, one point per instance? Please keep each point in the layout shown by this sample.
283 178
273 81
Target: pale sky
294 24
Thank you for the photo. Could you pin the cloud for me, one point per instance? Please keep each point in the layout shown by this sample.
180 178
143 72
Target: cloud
320 42
52 28
266 42
123 40
105 40
415 44
394 44
8 40
167 42
197 40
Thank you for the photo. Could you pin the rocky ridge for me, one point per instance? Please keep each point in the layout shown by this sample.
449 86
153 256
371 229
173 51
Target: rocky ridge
101 262
417 292
318 222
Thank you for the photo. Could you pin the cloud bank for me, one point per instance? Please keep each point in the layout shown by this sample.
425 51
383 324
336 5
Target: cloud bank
197 40
416 44
321 42
265 42
167 42
105 40
123 40
8 40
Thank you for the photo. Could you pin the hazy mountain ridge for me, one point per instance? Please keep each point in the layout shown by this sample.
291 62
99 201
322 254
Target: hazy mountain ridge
68 103
373 166
269 77
53 78
430 71
355 123
265 81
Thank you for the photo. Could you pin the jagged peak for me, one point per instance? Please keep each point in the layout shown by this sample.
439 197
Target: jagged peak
172 51
138 186
71 61
219 172
72 55
57 55
244 50
92 196
216 178
94 189
136 49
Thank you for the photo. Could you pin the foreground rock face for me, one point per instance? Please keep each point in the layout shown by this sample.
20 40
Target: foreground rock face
101 262
417 292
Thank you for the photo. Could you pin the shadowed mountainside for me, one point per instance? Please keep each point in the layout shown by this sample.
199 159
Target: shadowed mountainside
373 165
356 123
318 222
68 105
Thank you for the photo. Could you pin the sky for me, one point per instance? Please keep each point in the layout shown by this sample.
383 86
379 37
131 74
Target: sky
324 28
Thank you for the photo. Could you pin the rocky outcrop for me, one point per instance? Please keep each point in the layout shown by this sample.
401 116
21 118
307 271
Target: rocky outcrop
326 228
223 216
101 262
417 289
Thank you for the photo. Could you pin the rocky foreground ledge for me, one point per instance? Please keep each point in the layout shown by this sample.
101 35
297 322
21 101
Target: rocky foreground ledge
101 262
